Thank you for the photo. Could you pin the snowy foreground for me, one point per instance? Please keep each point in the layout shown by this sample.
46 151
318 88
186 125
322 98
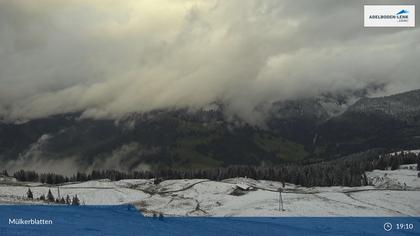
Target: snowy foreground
393 193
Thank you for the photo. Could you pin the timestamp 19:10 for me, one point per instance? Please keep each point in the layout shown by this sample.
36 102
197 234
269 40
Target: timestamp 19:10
402 226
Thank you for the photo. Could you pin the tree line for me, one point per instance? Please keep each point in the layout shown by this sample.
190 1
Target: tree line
51 199
348 171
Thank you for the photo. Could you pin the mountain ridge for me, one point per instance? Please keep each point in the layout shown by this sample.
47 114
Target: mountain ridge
295 131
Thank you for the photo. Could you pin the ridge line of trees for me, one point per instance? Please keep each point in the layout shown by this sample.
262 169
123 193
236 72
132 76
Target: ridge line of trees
51 199
348 171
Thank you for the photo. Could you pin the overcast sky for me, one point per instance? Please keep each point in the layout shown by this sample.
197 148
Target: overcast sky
110 57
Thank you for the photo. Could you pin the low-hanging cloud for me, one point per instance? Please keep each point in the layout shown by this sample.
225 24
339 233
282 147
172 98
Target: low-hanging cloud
107 58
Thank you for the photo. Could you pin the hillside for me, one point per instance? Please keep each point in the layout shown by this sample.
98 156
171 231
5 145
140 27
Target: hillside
293 131
166 138
387 196
391 122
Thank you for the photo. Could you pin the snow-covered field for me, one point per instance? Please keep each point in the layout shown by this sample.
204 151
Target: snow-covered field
393 193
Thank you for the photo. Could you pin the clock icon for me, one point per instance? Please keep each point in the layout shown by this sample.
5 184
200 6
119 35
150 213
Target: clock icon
387 226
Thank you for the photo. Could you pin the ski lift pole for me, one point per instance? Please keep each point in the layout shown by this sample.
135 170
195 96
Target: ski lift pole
280 200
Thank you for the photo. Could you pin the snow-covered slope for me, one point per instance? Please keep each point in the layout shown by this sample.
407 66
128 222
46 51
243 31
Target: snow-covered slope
393 193
400 106
405 178
100 192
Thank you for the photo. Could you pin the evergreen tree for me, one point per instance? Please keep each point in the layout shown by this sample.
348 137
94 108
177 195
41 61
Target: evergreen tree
50 179
75 201
29 194
365 180
23 175
394 164
68 202
42 197
50 196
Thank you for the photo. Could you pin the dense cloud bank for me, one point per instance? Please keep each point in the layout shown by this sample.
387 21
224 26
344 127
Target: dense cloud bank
107 58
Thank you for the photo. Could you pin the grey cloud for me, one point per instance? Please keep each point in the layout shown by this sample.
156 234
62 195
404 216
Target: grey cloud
107 59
